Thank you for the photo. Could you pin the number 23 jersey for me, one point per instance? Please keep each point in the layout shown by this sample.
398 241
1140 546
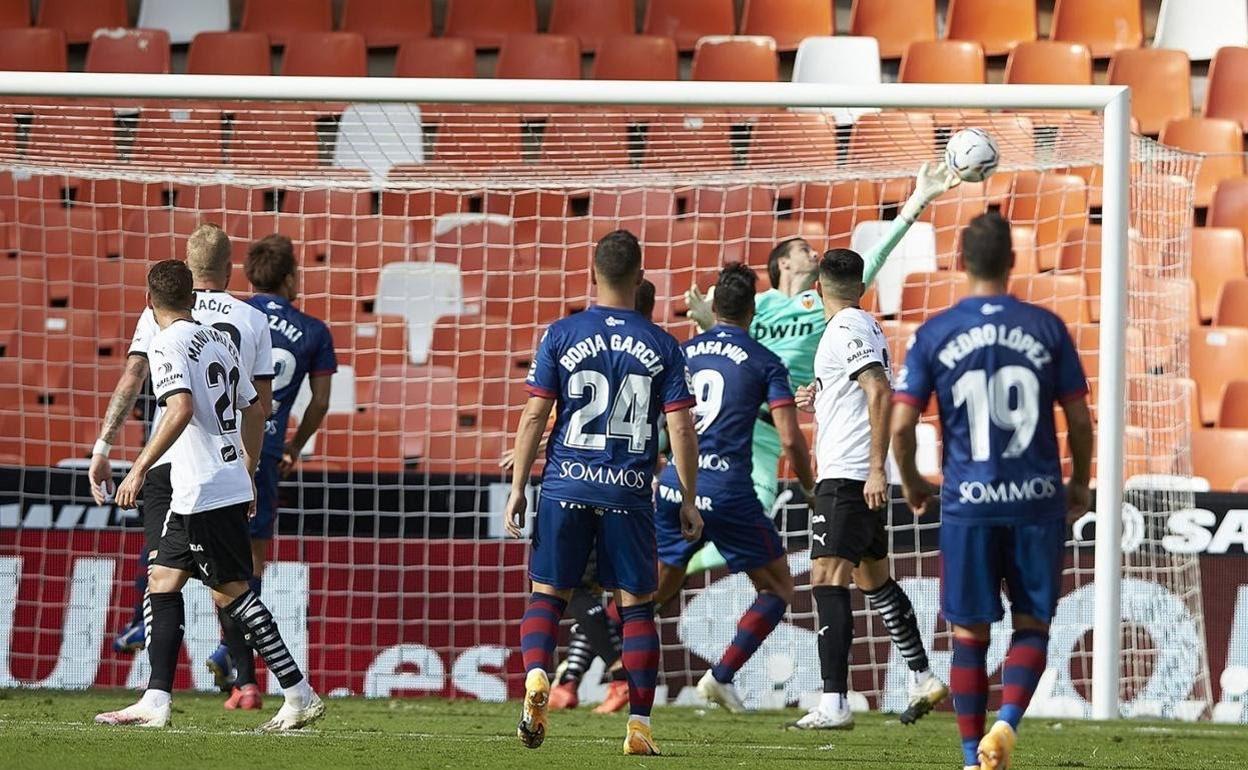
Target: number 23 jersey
997 366
610 372
208 469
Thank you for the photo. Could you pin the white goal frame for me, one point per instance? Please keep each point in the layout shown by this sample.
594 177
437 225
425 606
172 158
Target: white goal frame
1113 102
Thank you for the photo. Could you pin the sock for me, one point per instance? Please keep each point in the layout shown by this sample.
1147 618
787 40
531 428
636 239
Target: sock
164 632
757 622
613 613
832 702
641 657
539 629
240 654
260 632
155 698
1021 672
595 625
968 681
580 655
836 636
898 616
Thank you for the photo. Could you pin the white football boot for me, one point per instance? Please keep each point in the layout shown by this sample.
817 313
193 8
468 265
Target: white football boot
138 715
819 719
725 695
294 716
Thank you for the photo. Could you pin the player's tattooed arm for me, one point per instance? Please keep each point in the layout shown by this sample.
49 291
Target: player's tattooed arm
528 436
119 408
177 415
1079 439
874 382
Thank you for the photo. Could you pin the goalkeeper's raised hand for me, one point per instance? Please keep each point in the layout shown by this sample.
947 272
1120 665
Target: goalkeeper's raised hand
701 309
933 181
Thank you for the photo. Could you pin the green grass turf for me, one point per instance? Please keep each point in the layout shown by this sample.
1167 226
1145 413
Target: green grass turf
40 729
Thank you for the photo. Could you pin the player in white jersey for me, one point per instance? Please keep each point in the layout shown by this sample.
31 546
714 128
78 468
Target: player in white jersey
210 436
208 257
851 399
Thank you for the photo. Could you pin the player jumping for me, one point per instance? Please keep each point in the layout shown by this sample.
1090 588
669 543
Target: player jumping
302 347
996 365
733 377
199 380
611 372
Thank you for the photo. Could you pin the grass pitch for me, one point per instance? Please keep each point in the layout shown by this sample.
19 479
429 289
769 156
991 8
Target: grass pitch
53 730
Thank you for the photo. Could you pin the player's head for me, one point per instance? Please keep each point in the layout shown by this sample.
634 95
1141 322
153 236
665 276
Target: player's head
644 301
171 287
987 249
794 256
840 275
208 255
271 267
617 261
734 294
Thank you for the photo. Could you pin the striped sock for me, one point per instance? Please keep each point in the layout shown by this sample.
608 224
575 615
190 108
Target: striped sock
757 622
640 656
968 681
1024 665
898 615
580 655
260 631
539 629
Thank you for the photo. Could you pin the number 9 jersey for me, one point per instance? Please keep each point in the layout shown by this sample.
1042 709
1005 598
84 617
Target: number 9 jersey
610 372
998 366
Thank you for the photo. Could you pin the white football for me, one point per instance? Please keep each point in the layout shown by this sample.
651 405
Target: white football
972 154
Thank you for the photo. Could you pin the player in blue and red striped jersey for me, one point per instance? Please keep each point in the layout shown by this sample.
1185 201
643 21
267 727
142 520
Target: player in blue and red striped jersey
733 377
610 372
997 366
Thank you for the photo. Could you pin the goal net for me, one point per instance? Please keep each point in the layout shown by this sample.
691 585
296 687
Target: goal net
437 241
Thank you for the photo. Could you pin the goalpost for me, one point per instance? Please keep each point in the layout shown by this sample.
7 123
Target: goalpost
441 224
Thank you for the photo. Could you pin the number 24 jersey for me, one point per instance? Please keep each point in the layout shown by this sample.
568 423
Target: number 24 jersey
997 366
610 372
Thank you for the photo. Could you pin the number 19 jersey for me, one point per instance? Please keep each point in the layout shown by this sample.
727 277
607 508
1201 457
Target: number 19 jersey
997 366
610 372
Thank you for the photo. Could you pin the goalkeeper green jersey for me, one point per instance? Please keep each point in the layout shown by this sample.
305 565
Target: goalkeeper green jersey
790 327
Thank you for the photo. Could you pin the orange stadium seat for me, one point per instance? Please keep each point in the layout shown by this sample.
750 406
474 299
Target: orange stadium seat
14 14
779 136
23 283
923 295
274 140
1217 257
463 141
1052 204
79 19
671 139
893 135
143 51
56 231
439 57
325 54
1221 142
1218 455
838 208
1225 97
788 22
1104 26
636 57
586 140
1229 206
943 61
895 23
487 22
1161 85
361 442
155 234
1080 255
386 23
110 287
592 20
1049 62
736 59
686 21
998 25
31 49
279 19
1218 356
1232 304
539 56
1234 412
229 53
40 437
1066 295
949 214
33 383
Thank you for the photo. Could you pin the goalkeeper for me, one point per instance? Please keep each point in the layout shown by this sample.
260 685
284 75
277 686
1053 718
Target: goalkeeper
788 321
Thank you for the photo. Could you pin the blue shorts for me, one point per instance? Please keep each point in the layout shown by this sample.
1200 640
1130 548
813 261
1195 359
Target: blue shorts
267 478
976 559
734 521
565 533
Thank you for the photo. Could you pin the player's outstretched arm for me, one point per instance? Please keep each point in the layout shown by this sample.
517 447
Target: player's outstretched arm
178 412
933 181
528 436
795 448
684 440
701 307
1079 439
119 408
311 421
915 488
874 382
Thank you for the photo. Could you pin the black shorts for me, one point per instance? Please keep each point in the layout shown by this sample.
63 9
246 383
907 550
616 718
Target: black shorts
843 526
157 493
214 546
